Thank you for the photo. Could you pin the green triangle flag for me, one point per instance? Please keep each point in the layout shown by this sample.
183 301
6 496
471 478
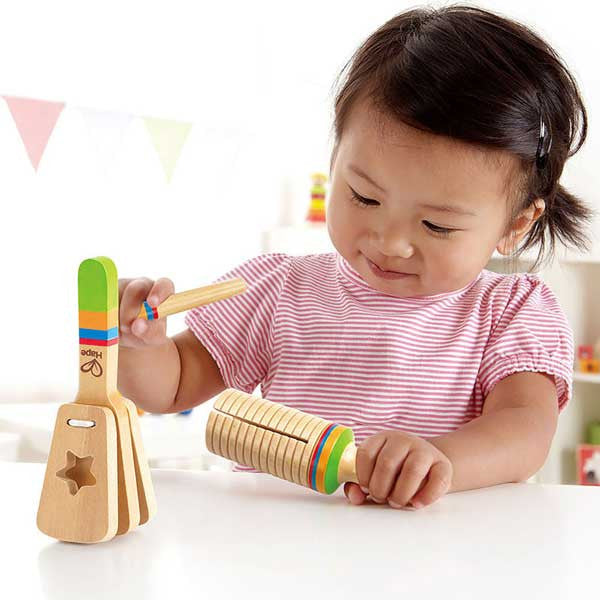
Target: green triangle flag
168 138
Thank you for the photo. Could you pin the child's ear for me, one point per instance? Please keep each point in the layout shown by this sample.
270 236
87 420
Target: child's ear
521 225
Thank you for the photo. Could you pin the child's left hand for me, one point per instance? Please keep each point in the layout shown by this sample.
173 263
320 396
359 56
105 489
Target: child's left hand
399 468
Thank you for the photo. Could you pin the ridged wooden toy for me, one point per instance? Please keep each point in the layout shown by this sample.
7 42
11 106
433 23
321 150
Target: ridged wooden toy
283 441
97 482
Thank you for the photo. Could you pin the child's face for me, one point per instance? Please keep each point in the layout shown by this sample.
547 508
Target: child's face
397 231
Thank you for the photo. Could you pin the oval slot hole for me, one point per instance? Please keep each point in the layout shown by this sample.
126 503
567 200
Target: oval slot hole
79 423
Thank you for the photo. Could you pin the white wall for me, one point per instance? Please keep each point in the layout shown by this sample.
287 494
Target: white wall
255 80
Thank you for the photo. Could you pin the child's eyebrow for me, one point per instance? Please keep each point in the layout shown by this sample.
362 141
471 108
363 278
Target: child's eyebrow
449 208
356 169
446 208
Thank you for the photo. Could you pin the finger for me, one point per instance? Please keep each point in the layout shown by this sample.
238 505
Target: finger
354 493
153 332
123 283
132 297
160 291
438 483
366 457
414 470
387 468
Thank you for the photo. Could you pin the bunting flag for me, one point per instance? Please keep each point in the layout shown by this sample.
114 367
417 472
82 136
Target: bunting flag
168 138
106 130
35 120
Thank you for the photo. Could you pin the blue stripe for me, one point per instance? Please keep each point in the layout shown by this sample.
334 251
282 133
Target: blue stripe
313 476
99 334
149 313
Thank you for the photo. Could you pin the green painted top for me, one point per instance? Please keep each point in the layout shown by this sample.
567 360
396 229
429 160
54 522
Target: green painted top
98 284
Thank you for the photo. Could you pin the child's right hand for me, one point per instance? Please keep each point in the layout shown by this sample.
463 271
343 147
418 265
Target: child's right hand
136 332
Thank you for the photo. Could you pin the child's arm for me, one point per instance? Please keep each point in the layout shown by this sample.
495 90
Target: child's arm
509 442
158 373
172 377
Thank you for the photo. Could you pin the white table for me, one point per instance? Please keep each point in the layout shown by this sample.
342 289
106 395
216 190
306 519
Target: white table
241 535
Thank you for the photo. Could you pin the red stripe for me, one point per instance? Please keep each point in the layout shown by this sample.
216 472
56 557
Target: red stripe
90 342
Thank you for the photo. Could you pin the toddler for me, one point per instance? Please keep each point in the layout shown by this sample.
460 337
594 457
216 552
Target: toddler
452 127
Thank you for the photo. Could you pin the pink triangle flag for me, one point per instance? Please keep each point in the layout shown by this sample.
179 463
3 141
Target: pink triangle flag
35 120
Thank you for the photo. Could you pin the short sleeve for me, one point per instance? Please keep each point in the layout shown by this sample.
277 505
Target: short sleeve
237 331
532 334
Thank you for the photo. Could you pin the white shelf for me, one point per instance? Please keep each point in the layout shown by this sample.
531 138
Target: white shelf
587 377
564 257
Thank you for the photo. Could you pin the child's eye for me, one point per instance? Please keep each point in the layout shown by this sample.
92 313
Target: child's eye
443 231
363 201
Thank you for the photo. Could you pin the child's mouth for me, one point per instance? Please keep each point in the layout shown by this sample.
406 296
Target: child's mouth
386 274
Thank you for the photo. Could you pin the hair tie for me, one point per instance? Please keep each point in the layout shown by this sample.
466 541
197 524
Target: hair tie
544 145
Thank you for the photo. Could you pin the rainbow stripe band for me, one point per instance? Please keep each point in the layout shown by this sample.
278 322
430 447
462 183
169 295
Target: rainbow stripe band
99 328
151 313
325 461
99 337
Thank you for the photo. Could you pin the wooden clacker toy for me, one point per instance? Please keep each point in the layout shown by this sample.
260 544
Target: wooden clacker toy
97 482
282 441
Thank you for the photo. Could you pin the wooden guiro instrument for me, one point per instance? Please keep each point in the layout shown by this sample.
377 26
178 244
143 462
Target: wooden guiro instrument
191 298
283 441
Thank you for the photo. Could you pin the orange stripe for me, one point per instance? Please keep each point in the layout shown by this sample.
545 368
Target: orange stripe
98 320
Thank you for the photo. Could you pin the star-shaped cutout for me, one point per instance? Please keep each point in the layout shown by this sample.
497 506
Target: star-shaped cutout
77 472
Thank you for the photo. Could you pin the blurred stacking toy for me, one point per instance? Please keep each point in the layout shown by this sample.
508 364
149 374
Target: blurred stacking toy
593 433
316 211
97 481
282 441
587 362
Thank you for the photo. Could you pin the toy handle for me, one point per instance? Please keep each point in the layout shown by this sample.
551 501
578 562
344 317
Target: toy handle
347 466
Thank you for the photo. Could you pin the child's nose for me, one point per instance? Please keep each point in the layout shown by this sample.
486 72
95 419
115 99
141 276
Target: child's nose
393 241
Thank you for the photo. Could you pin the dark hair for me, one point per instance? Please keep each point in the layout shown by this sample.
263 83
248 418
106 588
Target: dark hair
476 76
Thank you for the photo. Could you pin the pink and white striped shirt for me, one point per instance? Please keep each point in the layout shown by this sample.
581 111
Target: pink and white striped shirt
315 336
